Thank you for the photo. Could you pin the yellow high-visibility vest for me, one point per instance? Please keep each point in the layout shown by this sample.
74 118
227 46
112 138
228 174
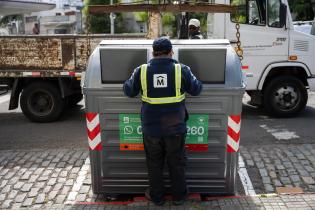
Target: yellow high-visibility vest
163 100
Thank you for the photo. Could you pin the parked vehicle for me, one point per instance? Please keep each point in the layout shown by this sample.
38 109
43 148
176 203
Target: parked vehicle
278 61
307 27
44 72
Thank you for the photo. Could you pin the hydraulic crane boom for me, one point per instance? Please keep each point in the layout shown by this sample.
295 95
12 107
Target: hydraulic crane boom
200 7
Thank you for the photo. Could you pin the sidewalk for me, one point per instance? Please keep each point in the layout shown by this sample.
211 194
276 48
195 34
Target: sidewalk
294 202
60 179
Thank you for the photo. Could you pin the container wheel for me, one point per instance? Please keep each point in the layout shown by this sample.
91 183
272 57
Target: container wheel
42 102
285 96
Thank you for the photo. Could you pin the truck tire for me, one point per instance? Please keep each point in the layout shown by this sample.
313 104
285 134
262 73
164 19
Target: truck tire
285 96
42 102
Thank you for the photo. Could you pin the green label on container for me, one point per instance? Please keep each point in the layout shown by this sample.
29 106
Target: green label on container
197 129
131 132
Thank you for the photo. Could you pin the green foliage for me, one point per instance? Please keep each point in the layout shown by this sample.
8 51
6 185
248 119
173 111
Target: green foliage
6 19
100 23
141 16
168 18
302 8
169 23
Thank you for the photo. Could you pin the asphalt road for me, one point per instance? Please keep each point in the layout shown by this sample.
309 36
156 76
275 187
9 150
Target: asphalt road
260 129
17 132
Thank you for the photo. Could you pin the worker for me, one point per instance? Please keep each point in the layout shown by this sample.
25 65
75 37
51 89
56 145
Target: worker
163 83
35 29
194 29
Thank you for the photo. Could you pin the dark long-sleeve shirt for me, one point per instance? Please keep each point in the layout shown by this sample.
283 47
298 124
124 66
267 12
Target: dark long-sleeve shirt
163 119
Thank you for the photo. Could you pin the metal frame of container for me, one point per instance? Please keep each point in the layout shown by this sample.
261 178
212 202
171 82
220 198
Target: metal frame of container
116 171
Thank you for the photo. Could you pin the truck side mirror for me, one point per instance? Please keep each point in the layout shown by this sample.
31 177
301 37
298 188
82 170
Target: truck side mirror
283 15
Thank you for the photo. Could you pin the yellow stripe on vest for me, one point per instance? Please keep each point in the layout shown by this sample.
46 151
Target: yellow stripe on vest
178 79
163 100
144 80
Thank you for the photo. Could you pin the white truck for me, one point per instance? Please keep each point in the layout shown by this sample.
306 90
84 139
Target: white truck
279 62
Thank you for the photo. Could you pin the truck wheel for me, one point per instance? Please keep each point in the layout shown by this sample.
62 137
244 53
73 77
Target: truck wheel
285 96
74 99
42 102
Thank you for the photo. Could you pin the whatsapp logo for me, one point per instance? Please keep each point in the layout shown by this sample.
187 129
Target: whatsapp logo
128 130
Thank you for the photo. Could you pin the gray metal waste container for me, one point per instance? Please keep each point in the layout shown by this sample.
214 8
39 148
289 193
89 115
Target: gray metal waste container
113 120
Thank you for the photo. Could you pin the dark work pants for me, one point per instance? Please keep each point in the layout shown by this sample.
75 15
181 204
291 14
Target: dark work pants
172 149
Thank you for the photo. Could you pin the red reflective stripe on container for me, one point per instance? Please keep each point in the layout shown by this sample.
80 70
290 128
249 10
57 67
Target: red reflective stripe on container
236 118
94 131
229 149
196 147
90 116
233 133
98 147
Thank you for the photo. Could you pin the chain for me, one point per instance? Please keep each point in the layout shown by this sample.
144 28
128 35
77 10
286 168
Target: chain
238 48
88 38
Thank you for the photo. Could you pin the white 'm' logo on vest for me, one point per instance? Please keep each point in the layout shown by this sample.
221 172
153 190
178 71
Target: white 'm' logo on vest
160 80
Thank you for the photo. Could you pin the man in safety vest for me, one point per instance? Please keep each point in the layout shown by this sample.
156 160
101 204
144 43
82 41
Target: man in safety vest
163 83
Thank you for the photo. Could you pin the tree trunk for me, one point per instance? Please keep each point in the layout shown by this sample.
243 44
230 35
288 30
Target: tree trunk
154 25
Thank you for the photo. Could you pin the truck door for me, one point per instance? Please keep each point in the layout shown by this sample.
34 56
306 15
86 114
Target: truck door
263 40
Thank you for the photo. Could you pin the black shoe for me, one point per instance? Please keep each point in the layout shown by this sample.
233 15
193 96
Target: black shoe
148 196
177 201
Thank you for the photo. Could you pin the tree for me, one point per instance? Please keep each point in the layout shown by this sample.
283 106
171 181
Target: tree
100 23
6 19
302 8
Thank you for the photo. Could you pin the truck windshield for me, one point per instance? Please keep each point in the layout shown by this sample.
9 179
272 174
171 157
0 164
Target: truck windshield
274 13
251 12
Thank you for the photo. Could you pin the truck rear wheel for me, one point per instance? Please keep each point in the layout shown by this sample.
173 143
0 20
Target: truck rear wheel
42 102
285 96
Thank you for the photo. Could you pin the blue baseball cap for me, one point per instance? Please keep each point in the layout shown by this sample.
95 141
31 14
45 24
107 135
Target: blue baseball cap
162 45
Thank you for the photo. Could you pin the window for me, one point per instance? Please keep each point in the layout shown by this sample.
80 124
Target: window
60 31
251 12
30 19
274 13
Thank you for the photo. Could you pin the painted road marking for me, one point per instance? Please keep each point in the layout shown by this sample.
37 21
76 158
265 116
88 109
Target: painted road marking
78 182
280 134
4 98
247 183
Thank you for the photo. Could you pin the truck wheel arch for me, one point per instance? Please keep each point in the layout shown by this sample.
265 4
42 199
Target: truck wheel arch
284 68
21 83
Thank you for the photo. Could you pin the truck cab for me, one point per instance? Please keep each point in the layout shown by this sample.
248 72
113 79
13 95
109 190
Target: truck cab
278 61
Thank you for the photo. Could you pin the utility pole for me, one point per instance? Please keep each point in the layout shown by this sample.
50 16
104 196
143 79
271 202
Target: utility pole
112 18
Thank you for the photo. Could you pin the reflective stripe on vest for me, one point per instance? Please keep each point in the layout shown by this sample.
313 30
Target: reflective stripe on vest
163 100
